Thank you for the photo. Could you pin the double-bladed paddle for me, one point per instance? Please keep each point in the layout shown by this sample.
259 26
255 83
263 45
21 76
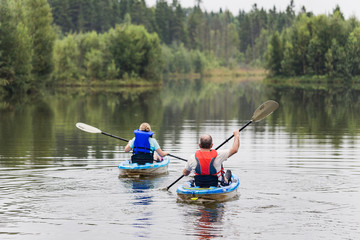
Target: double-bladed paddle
91 129
260 113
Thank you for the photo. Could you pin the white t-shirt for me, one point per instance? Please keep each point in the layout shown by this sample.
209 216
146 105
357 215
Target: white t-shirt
222 155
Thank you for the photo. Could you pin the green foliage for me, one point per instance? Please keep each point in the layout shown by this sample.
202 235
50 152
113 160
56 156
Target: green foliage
178 59
163 19
134 50
112 71
27 38
182 60
198 61
232 40
86 43
126 39
236 39
274 54
94 64
16 51
66 58
39 20
125 49
22 57
335 60
317 45
83 16
287 63
353 52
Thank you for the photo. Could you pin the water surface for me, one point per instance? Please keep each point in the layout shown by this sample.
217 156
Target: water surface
299 168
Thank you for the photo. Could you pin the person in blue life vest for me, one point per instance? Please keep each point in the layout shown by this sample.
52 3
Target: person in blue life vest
145 148
207 163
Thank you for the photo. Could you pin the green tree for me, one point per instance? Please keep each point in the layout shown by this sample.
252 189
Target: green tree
194 27
112 71
94 64
66 58
335 60
296 42
182 60
198 61
163 18
300 39
39 22
178 26
353 52
135 51
274 54
323 31
15 48
87 42
288 67
61 13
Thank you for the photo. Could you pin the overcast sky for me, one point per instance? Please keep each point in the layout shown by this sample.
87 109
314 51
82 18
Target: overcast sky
348 7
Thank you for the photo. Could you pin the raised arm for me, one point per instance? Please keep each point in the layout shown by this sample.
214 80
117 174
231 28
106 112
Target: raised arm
236 143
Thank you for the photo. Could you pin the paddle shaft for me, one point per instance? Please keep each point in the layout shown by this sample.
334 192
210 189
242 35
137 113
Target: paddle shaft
177 157
233 135
175 182
110 135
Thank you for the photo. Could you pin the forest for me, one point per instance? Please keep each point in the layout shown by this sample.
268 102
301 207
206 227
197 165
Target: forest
74 42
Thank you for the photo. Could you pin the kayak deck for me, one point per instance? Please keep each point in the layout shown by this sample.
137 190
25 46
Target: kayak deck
128 169
188 193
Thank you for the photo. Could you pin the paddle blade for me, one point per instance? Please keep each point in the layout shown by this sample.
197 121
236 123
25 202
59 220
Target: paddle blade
87 128
264 110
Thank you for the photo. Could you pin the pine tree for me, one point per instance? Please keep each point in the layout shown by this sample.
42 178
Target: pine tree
274 56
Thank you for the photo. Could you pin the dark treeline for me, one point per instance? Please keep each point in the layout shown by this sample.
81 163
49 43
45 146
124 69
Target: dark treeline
231 39
77 41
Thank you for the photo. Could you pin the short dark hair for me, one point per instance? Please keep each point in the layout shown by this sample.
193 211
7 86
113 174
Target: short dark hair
205 141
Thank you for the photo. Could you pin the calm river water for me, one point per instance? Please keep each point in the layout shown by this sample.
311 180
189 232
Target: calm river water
299 168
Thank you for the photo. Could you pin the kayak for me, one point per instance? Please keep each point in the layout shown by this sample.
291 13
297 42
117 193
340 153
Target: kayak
187 192
128 169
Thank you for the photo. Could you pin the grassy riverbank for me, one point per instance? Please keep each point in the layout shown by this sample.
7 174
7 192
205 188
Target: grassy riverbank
224 74
218 75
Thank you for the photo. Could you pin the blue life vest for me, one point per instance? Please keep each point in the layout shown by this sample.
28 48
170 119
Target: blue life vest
141 143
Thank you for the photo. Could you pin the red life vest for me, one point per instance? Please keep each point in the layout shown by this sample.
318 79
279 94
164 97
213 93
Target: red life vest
205 163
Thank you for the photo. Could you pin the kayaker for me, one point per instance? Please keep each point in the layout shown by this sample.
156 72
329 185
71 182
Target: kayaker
145 147
206 163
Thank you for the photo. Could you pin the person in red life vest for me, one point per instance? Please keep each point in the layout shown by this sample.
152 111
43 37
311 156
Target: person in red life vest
145 147
206 163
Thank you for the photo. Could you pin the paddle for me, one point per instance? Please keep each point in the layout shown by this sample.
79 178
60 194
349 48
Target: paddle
260 113
91 129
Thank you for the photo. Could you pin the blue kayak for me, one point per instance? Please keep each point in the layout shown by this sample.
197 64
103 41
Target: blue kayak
129 169
187 192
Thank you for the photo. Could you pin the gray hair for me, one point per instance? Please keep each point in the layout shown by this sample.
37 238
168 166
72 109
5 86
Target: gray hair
205 141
